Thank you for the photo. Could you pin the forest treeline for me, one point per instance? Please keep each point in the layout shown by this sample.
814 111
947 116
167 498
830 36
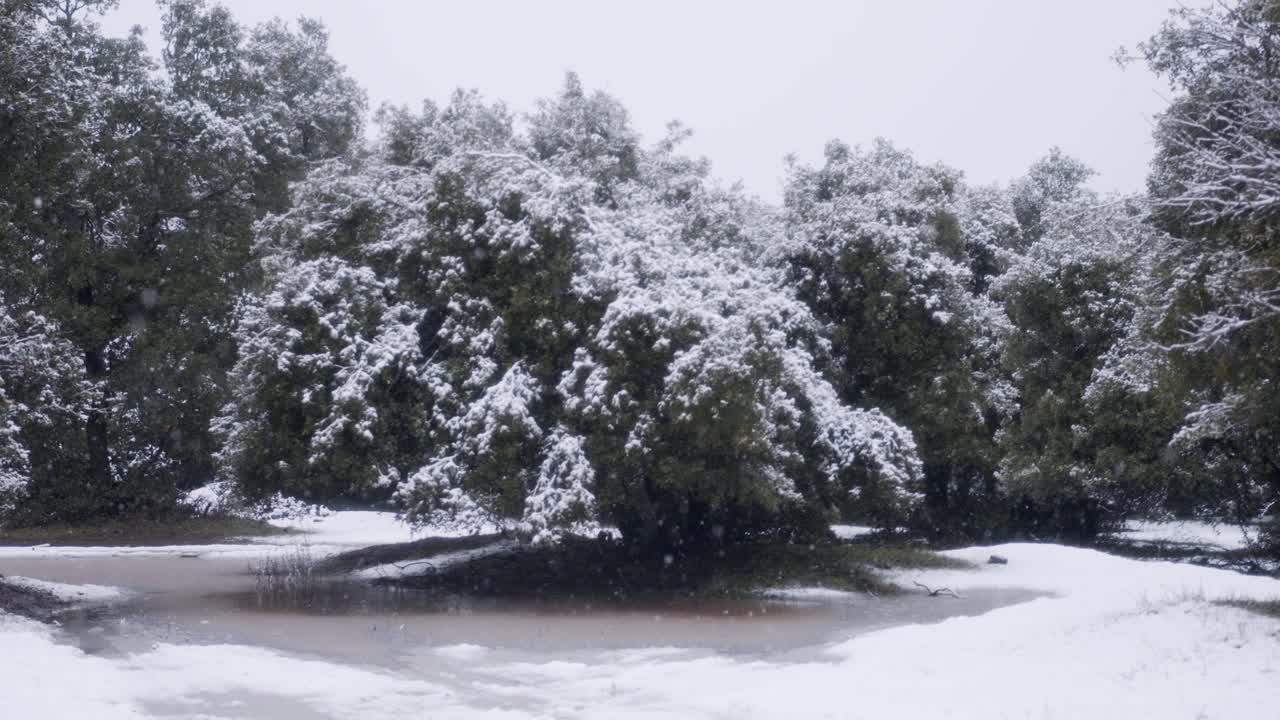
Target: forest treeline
213 271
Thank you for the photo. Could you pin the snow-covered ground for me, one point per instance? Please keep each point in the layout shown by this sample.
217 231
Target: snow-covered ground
849 532
1212 536
70 593
348 527
1120 638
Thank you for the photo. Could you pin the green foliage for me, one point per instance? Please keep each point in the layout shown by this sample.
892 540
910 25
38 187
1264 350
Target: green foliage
130 197
1087 441
1069 299
1215 300
571 320
549 325
892 255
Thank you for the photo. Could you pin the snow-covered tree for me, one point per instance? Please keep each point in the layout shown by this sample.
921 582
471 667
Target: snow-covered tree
588 336
130 192
894 256
1214 181
465 241
43 398
277 83
992 234
1070 299
587 135
1216 304
1052 180
698 394
561 497
314 352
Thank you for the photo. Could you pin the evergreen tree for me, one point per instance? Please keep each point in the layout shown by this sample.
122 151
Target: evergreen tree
895 257
543 330
44 396
129 200
1070 298
1216 308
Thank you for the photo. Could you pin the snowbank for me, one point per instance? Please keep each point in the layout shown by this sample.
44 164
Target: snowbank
350 528
1121 639
70 593
412 568
223 497
1124 639
849 532
1211 536
208 499
43 679
1079 572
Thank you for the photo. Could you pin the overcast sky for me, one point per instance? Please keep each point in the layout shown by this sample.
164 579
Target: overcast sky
984 85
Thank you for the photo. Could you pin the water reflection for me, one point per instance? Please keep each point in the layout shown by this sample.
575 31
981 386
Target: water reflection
211 600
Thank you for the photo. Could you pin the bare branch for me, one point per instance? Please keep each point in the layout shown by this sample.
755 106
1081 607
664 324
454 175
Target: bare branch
938 592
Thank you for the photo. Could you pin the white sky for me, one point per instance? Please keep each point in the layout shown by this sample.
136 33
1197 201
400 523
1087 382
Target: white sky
986 86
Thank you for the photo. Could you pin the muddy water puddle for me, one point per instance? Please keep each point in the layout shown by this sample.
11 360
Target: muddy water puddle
214 600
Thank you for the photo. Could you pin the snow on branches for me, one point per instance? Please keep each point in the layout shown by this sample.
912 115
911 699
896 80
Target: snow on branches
42 385
1216 177
319 345
879 202
577 321
1219 156
561 497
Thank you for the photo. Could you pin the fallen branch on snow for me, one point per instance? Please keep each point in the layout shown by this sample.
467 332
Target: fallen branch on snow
938 592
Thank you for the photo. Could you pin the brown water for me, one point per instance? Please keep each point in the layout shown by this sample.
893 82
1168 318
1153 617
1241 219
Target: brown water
213 600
